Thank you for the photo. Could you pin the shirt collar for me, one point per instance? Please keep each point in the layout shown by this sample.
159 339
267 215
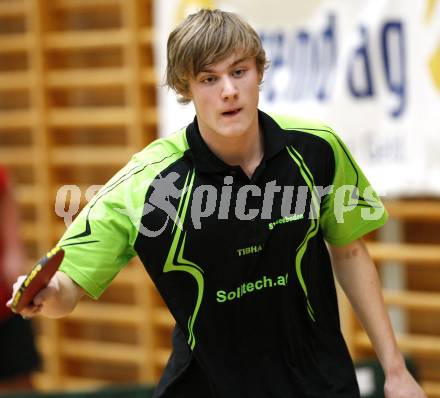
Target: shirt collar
205 160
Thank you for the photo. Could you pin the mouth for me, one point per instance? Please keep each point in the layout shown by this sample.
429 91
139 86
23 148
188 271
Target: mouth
232 112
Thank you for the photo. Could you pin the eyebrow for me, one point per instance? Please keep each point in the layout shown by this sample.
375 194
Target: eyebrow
235 63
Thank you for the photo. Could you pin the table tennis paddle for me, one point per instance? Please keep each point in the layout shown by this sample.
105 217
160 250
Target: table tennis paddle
37 279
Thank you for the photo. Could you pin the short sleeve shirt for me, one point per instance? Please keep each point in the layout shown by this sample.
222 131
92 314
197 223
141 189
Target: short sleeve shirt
240 262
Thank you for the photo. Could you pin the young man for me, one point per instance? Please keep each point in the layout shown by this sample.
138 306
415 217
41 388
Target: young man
230 218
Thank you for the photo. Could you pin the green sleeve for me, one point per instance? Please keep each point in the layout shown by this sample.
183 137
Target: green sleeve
352 208
100 240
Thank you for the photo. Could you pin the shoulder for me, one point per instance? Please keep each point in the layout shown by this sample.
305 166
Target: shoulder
163 149
135 177
158 155
317 134
308 128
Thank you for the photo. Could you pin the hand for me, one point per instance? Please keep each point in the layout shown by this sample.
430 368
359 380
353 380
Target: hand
36 306
402 385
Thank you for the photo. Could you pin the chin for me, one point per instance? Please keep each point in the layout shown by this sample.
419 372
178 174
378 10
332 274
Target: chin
232 132
235 129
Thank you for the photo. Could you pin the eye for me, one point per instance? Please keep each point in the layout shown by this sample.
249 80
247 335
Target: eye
208 79
238 72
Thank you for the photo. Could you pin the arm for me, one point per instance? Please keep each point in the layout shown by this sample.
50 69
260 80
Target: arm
59 298
61 295
357 275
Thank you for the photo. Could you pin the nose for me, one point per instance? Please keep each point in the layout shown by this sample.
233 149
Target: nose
229 89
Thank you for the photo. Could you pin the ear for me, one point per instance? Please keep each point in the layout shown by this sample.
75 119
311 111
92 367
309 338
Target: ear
186 92
260 75
184 98
187 96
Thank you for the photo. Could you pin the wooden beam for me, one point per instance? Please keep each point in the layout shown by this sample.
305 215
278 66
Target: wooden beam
148 76
86 156
29 231
411 343
413 300
98 117
163 318
146 36
14 80
87 39
150 116
130 14
106 313
12 8
427 254
129 276
16 157
27 194
96 77
15 42
414 209
99 351
161 356
16 119
85 4
431 388
78 383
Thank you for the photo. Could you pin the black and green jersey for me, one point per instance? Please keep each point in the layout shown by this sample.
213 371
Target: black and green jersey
241 263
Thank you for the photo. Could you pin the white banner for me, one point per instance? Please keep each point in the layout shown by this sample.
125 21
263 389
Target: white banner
368 68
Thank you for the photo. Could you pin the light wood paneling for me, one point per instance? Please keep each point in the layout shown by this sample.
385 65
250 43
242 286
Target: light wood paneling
80 82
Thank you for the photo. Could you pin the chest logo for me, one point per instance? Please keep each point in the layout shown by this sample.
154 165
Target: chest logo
249 250
284 220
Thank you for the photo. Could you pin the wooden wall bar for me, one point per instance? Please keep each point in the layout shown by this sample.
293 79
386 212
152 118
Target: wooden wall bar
77 99
418 256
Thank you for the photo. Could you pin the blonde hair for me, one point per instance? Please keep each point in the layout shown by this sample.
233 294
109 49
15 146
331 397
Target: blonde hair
205 38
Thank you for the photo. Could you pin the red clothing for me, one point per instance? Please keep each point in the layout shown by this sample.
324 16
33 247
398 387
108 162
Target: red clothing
21 357
3 180
5 290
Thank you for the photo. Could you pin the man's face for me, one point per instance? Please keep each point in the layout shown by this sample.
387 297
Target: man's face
225 96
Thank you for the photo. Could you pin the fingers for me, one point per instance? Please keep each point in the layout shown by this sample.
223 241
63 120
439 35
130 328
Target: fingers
29 311
43 295
18 283
15 287
43 302
40 300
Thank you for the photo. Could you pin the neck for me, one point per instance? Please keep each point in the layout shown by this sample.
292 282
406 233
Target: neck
245 150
